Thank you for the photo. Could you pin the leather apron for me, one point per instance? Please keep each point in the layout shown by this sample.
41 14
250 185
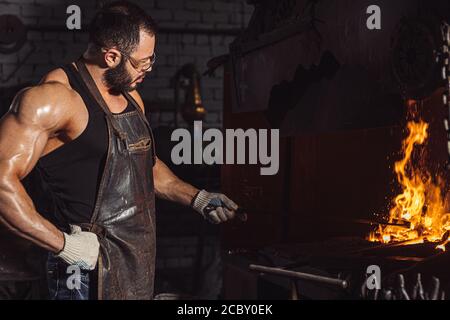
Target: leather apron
124 212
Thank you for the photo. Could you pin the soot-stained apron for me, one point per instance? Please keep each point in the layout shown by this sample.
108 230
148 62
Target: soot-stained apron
124 213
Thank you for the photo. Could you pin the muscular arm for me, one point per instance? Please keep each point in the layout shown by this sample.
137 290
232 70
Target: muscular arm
35 115
170 187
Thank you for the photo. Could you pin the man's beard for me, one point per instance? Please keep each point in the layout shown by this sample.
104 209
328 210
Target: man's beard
119 79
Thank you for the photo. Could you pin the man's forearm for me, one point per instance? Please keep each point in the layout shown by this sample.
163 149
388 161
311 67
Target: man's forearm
170 187
19 215
178 191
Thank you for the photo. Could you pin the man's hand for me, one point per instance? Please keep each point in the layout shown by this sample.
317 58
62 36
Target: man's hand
215 207
80 248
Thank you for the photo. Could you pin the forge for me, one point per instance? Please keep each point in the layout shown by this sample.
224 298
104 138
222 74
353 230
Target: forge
359 209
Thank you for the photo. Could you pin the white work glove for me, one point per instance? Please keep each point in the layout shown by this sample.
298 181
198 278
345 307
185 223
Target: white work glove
80 248
215 207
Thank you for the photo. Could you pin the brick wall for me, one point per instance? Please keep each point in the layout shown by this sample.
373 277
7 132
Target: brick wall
178 230
45 50
177 251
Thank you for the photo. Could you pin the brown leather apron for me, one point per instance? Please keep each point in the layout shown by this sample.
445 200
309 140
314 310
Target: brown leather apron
124 213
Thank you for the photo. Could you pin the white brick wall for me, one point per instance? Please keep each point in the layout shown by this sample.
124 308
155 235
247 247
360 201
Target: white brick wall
55 48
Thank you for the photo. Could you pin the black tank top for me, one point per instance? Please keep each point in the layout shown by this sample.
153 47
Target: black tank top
72 172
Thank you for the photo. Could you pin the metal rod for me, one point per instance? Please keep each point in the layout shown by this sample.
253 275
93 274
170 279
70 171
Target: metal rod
294 290
300 275
381 246
405 224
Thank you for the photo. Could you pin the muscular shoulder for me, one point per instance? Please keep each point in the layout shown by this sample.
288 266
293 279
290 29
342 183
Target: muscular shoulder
136 96
48 105
56 75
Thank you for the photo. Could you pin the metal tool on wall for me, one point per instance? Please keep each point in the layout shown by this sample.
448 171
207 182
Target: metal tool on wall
13 36
187 78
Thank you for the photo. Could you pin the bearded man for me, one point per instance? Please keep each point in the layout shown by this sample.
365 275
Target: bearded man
84 130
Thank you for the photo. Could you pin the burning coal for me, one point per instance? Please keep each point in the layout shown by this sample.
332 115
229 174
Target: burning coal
418 212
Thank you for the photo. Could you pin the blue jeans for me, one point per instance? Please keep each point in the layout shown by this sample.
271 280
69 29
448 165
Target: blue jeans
66 282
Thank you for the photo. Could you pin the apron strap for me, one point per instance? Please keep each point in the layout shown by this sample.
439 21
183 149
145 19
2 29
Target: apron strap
93 90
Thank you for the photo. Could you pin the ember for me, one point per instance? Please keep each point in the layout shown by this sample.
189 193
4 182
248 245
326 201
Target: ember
419 210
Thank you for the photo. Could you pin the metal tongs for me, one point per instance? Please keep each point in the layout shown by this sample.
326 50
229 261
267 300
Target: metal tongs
240 213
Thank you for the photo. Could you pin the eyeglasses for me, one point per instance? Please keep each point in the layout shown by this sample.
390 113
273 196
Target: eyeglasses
141 66
137 65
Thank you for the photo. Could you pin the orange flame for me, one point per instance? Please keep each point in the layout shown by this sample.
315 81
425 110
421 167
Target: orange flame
418 212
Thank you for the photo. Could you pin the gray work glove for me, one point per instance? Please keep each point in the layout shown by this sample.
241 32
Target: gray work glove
80 248
215 207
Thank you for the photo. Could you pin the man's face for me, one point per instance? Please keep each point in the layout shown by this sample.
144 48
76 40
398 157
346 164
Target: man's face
127 75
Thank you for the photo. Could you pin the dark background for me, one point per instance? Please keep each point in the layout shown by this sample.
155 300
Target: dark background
308 67
192 31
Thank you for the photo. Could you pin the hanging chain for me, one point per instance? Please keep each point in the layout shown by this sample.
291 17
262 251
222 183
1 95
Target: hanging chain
445 56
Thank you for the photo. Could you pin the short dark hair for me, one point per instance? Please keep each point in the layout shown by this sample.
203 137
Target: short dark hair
118 24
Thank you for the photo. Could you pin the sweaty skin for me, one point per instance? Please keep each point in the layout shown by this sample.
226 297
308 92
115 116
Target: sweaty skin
38 117
42 119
